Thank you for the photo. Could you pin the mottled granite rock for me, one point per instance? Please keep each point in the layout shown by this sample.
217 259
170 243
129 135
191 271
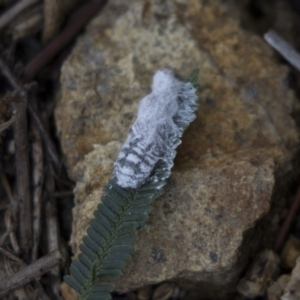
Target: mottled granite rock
235 159
290 252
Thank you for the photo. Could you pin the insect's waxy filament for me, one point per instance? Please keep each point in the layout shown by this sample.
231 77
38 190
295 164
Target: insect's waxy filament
151 137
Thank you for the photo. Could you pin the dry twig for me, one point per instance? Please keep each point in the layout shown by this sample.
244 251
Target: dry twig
52 229
10 223
283 47
38 170
3 238
12 257
15 10
82 17
51 213
22 264
54 16
31 272
23 180
50 147
20 92
28 24
10 214
6 124
20 293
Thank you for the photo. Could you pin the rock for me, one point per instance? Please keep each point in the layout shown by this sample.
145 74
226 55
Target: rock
262 272
275 290
67 292
235 159
292 289
290 252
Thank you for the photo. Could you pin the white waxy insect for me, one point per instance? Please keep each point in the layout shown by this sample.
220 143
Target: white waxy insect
151 137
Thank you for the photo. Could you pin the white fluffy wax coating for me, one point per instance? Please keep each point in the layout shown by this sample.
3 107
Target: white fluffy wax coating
151 136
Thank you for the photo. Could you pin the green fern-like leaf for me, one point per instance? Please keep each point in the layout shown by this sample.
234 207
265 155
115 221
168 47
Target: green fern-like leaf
110 238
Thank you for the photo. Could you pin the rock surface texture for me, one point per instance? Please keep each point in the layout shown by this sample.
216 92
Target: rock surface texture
234 163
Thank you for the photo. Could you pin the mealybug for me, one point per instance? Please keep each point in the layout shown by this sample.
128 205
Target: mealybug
151 136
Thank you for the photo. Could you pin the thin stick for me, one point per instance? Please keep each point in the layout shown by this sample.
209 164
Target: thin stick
38 170
23 179
20 293
83 16
9 76
51 214
3 238
11 224
20 92
283 47
50 147
52 228
15 10
22 264
12 257
288 221
6 124
30 272
10 214
6 186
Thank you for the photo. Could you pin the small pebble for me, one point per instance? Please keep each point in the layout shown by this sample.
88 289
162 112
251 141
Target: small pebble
263 270
164 291
292 289
276 289
67 292
290 252
145 293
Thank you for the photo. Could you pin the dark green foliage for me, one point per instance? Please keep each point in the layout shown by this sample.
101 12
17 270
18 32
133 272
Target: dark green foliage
193 78
110 238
